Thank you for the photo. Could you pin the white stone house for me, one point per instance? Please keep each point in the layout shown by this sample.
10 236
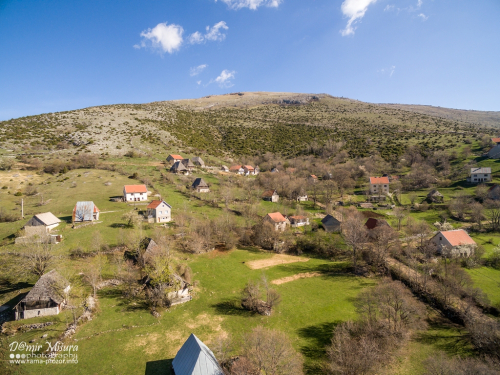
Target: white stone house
172 158
298 221
248 170
379 185
46 220
271 196
159 211
135 193
277 220
479 175
238 169
47 297
456 243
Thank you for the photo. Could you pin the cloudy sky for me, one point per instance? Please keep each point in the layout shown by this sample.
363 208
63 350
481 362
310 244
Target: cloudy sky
59 55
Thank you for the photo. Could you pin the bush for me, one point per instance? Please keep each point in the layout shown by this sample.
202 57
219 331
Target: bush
18 194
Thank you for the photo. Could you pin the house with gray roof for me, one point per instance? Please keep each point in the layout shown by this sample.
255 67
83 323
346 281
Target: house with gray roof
479 175
178 167
200 186
47 297
198 162
195 358
332 223
46 220
85 211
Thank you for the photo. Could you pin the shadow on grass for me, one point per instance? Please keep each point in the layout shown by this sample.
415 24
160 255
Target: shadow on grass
129 305
446 337
319 337
67 219
160 367
6 286
231 307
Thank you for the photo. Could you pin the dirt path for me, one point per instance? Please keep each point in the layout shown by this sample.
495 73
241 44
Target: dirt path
287 279
274 261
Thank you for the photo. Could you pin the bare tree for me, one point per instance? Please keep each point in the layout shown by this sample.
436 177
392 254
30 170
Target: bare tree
37 258
355 234
399 214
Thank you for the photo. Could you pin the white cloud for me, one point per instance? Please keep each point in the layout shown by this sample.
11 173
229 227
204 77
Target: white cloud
195 71
419 4
212 34
224 80
251 4
198 82
423 16
390 71
163 37
355 10
388 8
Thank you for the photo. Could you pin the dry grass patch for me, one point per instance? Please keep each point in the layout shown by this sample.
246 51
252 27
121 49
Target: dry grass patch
287 279
274 261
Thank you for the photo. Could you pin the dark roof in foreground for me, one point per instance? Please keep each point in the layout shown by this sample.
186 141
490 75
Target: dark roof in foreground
49 287
195 358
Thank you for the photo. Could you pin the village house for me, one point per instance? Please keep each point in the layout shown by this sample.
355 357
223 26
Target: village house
224 168
275 170
47 297
312 178
332 223
373 223
85 211
135 193
41 223
379 185
188 164
271 196
238 169
197 161
455 243
494 152
200 186
494 192
479 175
435 196
178 167
248 170
173 158
298 221
195 358
277 220
302 197
159 211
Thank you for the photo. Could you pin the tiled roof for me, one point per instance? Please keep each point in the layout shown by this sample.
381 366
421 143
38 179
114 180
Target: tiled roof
277 217
372 223
176 157
235 168
268 193
298 217
379 180
249 167
480 170
130 189
313 177
495 140
48 218
458 237
154 204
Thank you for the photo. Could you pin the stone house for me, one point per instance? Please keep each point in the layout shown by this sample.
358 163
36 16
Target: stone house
46 220
277 220
173 158
200 186
298 221
332 223
302 198
312 178
135 193
178 167
159 211
224 168
47 297
479 175
457 243
248 170
373 223
195 358
379 185
188 164
435 196
238 169
85 211
271 196
494 192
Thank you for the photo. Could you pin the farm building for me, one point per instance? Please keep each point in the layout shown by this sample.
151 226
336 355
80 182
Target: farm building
302 197
198 162
195 358
47 297
135 193
332 223
159 211
85 211
379 185
172 158
277 220
457 242
298 221
494 192
46 220
479 175
271 196
435 196
224 168
248 170
200 186
188 164
312 178
373 223
178 167
238 169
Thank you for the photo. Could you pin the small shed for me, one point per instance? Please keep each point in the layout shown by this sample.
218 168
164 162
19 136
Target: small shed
224 168
435 196
200 186
178 167
195 358
47 220
271 196
332 223
47 297
85 211
198 161
188 164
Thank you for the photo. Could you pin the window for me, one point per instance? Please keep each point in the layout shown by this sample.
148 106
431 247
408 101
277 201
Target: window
440 238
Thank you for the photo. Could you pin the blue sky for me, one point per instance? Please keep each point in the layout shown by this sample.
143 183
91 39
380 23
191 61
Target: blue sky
60 55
